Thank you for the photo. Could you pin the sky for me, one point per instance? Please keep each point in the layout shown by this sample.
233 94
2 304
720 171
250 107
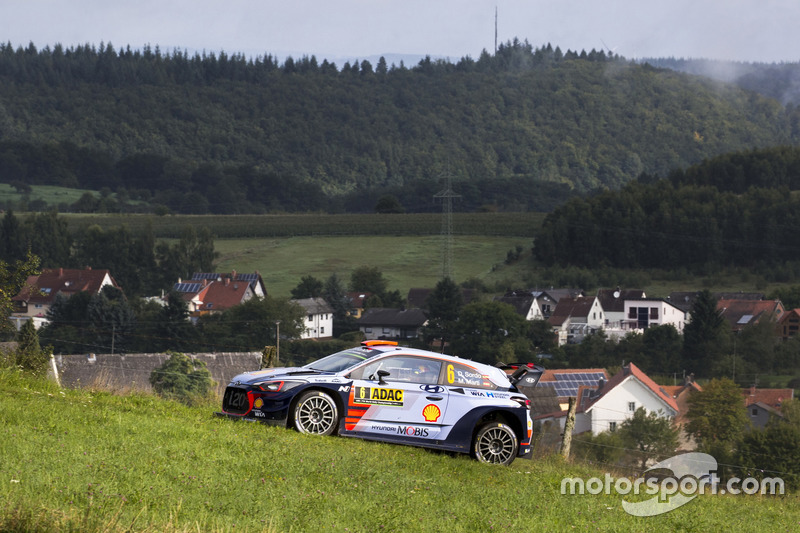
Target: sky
739 30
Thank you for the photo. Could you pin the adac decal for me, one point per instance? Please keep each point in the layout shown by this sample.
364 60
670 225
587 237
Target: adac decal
431 413
432 388
376 396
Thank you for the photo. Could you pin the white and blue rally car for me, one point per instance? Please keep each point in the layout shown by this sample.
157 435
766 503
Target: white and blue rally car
382 391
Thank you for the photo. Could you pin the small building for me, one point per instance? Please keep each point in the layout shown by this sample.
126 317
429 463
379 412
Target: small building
391 324
318 322
254 279
645 312
531 304
789 324
741 313
39 292
575 318
613 303
764 405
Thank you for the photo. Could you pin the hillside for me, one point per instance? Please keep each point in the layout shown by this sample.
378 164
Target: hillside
80 460
519 130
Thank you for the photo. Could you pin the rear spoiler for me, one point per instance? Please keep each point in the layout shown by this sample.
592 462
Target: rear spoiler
526 374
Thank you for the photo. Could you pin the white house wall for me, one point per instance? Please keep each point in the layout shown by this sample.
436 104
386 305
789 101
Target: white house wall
614 406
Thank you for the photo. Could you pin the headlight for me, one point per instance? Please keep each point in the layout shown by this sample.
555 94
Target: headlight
276 386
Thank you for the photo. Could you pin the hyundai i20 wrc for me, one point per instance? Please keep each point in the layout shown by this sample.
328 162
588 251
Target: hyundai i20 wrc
385 392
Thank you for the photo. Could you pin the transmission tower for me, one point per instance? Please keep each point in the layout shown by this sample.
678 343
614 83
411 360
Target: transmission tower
447 196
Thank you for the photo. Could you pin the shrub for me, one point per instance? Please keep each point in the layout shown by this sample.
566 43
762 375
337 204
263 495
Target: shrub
183 379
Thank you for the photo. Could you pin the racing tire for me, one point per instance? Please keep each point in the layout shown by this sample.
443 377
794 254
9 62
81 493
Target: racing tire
316 413
495 443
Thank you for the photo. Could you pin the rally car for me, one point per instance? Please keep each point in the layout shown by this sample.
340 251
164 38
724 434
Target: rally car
382 391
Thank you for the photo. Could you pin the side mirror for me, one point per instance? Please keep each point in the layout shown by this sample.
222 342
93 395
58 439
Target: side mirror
382 374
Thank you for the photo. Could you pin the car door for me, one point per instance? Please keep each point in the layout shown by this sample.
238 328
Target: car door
406 404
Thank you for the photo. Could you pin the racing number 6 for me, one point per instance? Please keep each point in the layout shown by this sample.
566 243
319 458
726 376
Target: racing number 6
451 374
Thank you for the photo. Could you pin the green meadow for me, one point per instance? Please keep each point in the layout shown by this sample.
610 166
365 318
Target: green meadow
94 461
406 262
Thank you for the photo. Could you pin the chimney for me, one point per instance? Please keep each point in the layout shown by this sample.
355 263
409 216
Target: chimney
233 274
61 272
753 390
227 281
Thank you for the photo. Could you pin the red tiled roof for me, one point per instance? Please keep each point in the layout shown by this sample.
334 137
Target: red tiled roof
740 313
771 397
62 280
223 295
624 374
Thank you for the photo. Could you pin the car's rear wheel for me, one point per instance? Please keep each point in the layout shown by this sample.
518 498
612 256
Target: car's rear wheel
495 443
315 412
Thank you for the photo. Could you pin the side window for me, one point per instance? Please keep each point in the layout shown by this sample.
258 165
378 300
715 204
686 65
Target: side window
402 368
464 376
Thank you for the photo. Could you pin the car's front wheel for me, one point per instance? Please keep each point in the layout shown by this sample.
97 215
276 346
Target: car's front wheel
315 412
495 443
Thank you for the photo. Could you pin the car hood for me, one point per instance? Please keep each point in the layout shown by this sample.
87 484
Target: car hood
287 373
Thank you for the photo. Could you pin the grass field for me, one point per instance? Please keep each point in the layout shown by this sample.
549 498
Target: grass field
49 194
406 262
76 460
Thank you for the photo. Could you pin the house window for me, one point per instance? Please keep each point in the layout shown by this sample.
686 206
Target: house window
631 406
367 330
612 426
654 313
754 412
632 313
310 318
38 306
322 330
387 330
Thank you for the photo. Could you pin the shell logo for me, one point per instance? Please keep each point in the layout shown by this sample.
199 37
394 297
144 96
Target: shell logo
258 403
431 413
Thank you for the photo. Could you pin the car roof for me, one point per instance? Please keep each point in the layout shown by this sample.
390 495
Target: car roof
390 348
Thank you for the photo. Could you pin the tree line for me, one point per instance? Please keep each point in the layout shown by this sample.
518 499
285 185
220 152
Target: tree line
734 210
139 263
519 129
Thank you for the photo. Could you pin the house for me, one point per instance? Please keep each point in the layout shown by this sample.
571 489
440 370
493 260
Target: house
565 382
684 300
575 318
764 405
391 324
418 297
605 407
204 296
788 324
645 312
681 394
39 292
531 304
318 323
355 303
742 313
613 303
254 279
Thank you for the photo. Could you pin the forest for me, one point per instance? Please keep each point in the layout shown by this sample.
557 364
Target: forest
522 129
739 209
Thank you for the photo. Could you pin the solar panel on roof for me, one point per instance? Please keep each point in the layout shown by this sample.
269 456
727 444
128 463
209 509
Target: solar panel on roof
187 287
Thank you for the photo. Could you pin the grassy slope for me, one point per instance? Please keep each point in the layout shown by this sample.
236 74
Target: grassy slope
405 261
90 461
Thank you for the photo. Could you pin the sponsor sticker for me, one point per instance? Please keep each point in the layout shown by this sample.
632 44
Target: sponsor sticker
431 413
374 396
258 403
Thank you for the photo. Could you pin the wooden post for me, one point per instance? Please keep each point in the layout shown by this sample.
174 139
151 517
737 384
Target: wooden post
566 440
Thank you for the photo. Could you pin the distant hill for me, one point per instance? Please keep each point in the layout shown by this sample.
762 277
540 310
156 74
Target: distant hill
523 129
780 81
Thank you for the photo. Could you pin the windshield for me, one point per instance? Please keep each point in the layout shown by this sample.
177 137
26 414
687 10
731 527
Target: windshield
341 361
